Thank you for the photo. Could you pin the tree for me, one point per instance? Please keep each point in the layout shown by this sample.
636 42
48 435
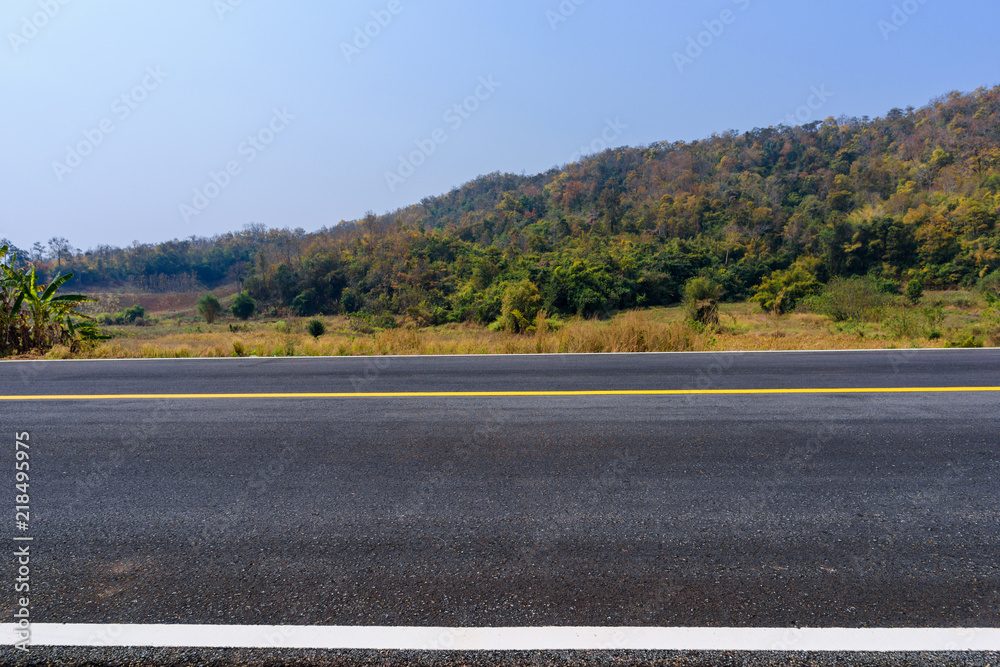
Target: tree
521 302
209 306
244 306
783 290
915 290
59 247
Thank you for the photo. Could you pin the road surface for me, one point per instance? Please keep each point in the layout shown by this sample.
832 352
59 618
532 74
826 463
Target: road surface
479 492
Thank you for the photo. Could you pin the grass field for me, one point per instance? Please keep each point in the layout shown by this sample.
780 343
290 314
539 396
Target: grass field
173 329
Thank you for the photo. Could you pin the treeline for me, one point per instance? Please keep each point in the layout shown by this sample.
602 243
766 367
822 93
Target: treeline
915 194
179 265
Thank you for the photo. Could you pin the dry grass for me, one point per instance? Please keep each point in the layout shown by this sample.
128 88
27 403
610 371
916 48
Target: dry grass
742 327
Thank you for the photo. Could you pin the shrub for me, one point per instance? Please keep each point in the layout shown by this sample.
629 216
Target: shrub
850 299
902 324
991 323
934 314
915 290
244 306
521 302
315 328
385 321
422 316
989 285
701 300
784 290
363 323
209 307
130 315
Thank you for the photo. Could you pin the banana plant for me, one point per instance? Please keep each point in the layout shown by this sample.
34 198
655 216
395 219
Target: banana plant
12 325
49 315
45 308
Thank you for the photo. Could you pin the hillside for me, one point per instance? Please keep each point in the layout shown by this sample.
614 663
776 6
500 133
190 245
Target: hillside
913 194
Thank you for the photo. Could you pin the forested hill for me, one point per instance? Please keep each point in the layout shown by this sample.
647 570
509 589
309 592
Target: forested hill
916 193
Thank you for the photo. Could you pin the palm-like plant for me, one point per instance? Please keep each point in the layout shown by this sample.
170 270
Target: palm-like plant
48 311
12 323
34 315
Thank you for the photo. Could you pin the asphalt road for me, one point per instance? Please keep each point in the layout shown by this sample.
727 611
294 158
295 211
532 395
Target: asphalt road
825 510
737 370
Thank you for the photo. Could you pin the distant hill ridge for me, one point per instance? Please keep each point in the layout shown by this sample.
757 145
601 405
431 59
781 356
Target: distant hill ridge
916 193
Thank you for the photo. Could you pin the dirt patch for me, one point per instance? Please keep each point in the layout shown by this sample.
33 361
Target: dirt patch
169 302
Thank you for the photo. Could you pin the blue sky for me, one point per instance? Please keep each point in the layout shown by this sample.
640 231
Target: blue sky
147 121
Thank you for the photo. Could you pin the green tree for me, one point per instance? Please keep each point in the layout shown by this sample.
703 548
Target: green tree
915 290
521 302
244 306
209 307
783 290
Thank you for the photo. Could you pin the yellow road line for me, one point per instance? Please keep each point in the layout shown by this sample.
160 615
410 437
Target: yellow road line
501 394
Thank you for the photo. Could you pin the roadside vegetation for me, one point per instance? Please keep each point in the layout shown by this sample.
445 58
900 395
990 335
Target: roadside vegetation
848 232
34 317
912 196
848 315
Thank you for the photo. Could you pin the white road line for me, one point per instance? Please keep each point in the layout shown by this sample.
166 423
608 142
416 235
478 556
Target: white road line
509 639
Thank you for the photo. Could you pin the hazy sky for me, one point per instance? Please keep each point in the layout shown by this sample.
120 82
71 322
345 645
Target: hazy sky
151 120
